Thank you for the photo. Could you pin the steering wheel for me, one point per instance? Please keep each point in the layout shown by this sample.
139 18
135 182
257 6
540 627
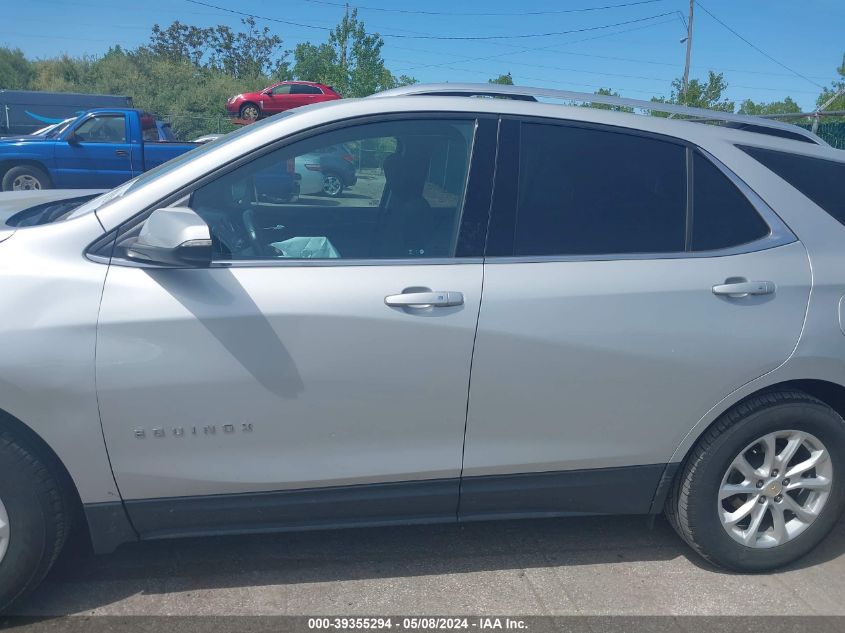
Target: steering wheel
248 218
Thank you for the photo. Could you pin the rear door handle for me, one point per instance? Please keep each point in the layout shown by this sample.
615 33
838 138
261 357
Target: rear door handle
121 152
439 299
739 289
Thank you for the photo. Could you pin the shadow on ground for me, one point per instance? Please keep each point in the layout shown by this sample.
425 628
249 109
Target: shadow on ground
354 554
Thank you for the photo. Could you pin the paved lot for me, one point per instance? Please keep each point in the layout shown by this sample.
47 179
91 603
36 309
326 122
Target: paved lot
584 566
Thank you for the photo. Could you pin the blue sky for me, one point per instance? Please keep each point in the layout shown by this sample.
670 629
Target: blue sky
638 59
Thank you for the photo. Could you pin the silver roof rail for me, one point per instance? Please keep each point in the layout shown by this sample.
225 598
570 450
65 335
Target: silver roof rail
522 93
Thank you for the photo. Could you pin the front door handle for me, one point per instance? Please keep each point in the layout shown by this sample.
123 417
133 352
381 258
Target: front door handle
121 152
738 289
439 299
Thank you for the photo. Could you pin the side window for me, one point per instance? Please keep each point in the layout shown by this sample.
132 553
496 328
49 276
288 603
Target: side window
103 129
303 89
382 190
721 215
590 192
822 181
282 89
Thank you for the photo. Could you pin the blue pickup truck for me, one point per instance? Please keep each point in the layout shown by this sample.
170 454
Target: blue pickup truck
98 150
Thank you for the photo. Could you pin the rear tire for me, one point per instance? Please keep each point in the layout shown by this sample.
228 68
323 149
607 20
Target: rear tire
25 178
332 184
699 513
38 518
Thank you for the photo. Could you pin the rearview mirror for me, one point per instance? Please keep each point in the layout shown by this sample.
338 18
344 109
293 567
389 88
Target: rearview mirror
175 236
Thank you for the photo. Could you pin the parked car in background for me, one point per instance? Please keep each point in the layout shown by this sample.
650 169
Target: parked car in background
206 138
99 149
25 111
327 170
278 98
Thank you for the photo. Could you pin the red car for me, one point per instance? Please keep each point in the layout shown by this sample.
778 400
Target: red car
278 98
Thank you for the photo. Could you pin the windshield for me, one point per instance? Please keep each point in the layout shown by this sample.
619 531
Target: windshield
54 130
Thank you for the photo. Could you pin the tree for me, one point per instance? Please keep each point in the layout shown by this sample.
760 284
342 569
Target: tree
506 80
16 71
251 53
604 106
700 94
350 60
787 106
836 86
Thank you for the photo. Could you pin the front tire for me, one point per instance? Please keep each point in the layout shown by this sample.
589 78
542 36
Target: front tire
26 178
249 112
764 485
35 516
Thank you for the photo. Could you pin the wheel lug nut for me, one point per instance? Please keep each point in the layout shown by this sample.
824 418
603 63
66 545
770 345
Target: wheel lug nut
786 482
761 500
779 498
759 484
775 473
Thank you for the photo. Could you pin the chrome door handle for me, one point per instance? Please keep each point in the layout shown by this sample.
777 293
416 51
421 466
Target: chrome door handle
744 288
425 299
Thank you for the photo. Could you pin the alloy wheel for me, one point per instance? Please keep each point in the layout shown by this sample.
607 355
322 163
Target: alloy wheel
775 488
25 182
332 186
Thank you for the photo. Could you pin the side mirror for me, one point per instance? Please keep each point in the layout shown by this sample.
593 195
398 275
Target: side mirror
72 138
175 236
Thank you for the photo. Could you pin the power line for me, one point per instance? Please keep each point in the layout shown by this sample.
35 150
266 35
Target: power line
440 37
757 48
488 13
543 48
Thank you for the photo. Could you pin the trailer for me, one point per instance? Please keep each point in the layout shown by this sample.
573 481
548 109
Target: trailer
26 111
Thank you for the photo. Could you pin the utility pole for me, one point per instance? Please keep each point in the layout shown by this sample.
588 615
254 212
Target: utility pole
689 53
344 36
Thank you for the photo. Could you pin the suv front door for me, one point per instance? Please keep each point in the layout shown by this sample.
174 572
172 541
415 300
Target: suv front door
304 379
601 339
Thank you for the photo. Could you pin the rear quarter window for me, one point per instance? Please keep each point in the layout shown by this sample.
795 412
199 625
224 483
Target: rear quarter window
821 180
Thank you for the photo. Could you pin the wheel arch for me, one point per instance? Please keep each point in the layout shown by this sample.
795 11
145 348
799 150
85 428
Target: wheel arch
104 525
6 165
829 392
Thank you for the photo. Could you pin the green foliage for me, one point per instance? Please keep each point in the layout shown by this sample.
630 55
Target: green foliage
16 72
607 92
506 80
836 87
251 53
350 61
700 94
775 107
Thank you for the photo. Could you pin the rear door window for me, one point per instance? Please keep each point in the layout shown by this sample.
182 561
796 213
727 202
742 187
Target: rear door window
722 217
585 191
822 181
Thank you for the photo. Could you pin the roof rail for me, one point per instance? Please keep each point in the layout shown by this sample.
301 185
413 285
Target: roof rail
759 125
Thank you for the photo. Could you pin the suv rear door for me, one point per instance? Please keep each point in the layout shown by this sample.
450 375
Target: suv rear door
601 341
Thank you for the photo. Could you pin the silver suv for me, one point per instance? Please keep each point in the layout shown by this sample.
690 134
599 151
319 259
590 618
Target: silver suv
526 309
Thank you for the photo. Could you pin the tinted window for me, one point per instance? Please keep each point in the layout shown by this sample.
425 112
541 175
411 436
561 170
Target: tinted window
302 89
587 192
282 89
822 181
722 216
103 129
385 190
